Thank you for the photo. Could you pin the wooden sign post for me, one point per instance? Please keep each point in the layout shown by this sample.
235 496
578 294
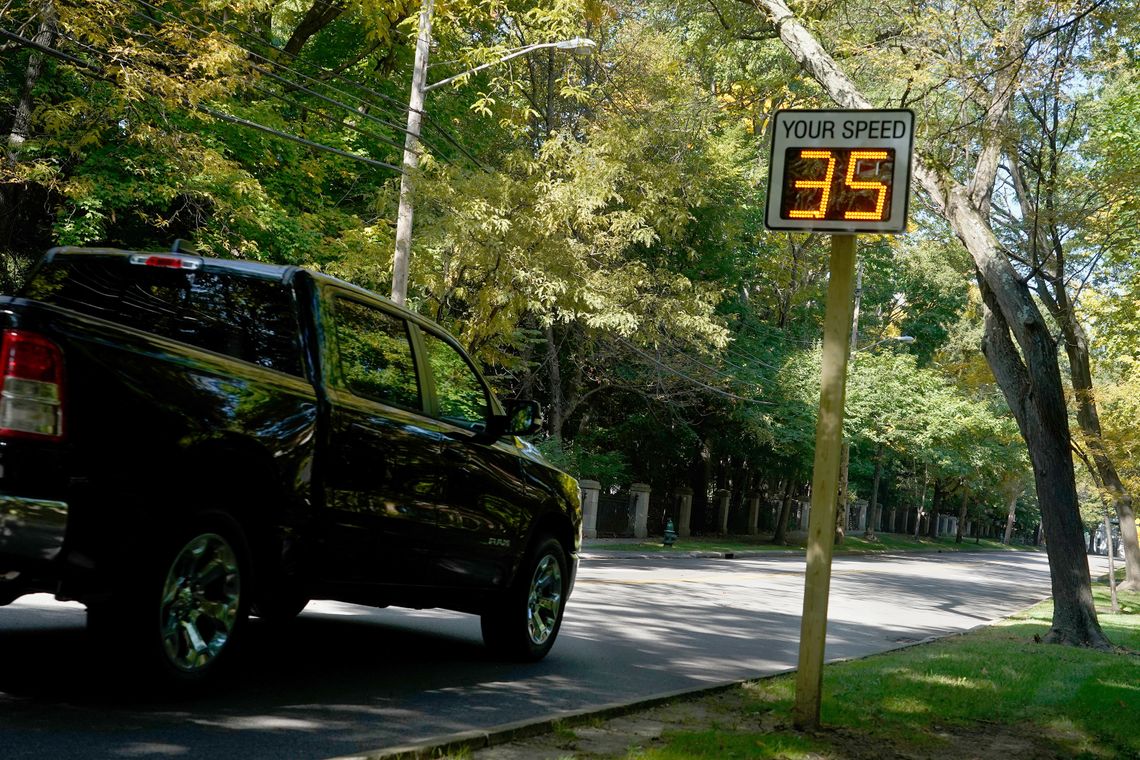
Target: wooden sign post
840 172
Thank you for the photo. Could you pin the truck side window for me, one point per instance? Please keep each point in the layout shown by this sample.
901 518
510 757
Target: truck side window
462 395
376 355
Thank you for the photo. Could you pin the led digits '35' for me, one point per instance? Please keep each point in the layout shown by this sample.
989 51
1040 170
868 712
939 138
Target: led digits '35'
860 192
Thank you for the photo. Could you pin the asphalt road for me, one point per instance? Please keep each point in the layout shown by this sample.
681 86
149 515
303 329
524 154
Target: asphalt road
345 679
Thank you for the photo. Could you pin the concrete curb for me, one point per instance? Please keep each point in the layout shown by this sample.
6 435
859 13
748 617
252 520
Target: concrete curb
502 734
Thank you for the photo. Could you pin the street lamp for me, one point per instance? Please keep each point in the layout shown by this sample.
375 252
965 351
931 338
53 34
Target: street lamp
576 45
895 338
411 161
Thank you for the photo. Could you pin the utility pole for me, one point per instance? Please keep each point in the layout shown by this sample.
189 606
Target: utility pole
411 158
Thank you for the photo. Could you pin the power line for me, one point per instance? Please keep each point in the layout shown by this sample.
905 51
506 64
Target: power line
402 107
272 75
684 376
97 71
301 140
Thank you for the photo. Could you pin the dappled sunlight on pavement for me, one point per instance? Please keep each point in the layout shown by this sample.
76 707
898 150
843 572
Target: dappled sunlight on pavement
342 678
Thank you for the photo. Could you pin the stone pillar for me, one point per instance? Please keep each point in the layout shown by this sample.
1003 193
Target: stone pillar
805 512
723 499
753 514
590 490
639 493
861 515
684 511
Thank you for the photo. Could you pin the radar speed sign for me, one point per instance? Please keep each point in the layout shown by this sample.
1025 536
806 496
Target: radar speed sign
840 171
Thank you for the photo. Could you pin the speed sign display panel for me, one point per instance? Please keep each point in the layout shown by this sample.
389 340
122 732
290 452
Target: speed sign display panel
840 171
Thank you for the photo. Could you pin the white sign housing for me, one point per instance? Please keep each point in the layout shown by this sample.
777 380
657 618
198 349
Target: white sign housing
840 171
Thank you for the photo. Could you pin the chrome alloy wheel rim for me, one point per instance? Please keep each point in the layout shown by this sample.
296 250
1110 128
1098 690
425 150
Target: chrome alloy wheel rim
200 602
545 599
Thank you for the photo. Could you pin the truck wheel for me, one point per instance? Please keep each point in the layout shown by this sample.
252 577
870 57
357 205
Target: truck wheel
525 623
202 608
183 616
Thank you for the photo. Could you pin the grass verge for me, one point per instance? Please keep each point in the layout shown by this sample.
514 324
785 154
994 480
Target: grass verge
853 544
991 693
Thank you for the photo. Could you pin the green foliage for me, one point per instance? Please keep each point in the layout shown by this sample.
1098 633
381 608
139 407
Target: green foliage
587 461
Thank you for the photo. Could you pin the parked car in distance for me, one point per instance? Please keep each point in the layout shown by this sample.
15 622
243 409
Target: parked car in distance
185 441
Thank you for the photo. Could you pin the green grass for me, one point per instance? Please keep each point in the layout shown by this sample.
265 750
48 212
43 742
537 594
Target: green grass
853 544
949 698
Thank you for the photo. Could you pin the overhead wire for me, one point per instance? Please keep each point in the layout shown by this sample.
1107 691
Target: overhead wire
277 64
97 71
687 377
268 72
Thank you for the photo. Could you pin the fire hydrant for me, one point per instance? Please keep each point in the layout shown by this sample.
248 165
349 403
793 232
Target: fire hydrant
670 533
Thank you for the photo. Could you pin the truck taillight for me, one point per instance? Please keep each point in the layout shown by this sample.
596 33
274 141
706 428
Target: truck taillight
31 386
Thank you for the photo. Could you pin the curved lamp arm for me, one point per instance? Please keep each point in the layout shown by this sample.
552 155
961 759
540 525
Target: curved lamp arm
579 45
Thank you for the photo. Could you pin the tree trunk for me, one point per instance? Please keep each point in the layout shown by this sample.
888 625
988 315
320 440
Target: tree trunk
22 117
555 385
1018 345
1010 519
781 535
320 14
935 510
12 193
1076 347
1111 564
921 508
962 514
873 507
1052 287
843 509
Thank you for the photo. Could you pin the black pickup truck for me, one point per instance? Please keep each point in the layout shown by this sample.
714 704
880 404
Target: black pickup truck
185 441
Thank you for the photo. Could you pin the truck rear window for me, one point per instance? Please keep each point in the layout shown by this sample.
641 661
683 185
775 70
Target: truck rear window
245 317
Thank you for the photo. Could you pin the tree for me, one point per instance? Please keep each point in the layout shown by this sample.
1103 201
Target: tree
1018 344
1058 196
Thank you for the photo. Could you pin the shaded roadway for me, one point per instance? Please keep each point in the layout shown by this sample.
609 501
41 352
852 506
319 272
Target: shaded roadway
344 679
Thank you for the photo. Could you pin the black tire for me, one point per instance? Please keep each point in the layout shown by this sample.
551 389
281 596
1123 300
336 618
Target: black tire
525 623
181 617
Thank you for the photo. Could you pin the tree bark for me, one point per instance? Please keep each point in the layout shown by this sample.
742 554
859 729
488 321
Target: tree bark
843 508
22 117
1010 519
962 514
935 510
873 508
320 14
1076 347
1017 345
12 193
1051 281
555 417
921 508
781 534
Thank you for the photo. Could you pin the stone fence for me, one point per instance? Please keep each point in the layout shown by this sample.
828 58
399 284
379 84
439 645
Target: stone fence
627 513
